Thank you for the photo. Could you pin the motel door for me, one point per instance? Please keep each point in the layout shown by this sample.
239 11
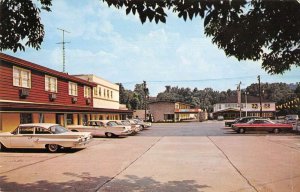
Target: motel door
59 119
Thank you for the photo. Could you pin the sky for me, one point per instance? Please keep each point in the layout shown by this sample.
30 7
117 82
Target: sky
119 48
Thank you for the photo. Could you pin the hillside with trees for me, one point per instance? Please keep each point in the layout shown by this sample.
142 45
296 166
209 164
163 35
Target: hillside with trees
281 93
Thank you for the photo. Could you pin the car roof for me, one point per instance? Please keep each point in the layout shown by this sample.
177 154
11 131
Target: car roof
44 125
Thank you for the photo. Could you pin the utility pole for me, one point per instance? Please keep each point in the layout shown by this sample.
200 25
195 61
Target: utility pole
63 47
146 91
239 97
259 92
246 103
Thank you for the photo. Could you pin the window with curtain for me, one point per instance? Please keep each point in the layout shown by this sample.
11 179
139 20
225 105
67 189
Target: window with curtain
50 84
21 77
73 89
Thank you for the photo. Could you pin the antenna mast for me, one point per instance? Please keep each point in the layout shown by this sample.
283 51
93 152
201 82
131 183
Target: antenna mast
63 47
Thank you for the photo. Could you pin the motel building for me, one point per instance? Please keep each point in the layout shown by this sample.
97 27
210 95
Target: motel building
31 93
166 111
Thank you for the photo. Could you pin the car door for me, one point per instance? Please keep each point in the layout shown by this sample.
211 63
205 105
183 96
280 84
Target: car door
23 138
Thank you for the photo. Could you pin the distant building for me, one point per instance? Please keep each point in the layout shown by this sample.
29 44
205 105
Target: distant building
106 95
166 111
230 109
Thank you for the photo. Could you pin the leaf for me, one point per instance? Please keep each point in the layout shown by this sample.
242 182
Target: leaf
207 19
191 14
128 10
143 18
185 15
163 19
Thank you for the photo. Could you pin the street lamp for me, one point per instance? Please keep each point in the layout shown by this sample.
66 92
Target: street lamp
246 107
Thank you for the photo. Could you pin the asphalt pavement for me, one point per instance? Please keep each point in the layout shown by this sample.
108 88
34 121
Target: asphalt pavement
180 157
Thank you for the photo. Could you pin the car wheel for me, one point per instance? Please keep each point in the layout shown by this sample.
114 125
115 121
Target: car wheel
242 130
52 148
276 130
109 135
74 130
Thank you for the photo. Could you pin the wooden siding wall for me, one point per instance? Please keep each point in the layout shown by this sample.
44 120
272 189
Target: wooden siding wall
37 91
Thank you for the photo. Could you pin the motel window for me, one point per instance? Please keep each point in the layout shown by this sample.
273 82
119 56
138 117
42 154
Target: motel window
100 91
69 119
104 92
21 77
50 84
95 90
25 118
87 92
111 94
73 89
107 93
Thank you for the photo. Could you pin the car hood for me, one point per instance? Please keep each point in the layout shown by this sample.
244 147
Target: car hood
5 133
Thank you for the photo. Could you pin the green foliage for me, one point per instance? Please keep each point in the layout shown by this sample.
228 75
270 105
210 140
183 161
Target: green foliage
248 30
133 99
20 22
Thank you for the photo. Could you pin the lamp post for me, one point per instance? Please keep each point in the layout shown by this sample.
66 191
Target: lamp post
246 107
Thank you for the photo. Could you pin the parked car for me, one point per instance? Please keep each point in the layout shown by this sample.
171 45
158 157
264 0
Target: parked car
229 123
43 135
291 119
240 120
143 123
136 128
261 125
102 128
220 118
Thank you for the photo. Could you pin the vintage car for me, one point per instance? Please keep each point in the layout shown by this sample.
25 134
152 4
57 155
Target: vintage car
135 127
143 123
261 125
139 123
99 128
291 119
240 120
43 135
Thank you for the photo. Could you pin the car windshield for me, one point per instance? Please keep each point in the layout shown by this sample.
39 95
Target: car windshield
126 123
112 123
56 129
118 123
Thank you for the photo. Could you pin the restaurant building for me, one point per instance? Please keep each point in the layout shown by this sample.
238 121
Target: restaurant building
166 111
31 93
250 106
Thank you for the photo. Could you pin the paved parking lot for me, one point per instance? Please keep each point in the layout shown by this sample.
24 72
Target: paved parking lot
168 157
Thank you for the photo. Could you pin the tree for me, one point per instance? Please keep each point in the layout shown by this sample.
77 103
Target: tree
20 22
254 30
248 30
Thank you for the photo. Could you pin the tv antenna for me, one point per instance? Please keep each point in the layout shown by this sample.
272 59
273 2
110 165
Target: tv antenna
63 47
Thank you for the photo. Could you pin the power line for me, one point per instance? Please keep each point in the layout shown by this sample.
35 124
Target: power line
193 80
204 80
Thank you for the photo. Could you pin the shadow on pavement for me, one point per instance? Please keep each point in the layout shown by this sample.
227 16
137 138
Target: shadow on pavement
86 182
40 151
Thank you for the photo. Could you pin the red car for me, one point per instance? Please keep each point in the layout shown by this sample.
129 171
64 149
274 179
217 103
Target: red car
261 125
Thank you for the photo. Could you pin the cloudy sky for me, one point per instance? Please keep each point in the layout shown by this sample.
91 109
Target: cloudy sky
106 42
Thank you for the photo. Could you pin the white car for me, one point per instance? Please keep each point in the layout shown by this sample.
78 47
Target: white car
99 128
43 135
